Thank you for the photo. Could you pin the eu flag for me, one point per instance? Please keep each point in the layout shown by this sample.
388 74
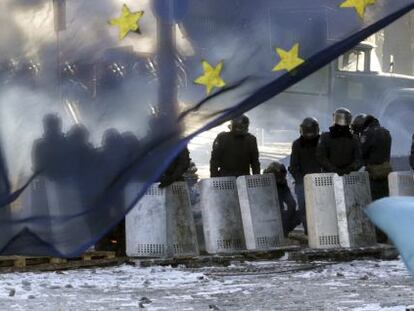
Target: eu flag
99 98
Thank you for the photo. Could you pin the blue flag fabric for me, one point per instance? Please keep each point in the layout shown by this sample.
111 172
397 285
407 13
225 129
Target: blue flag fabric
89 121
395 216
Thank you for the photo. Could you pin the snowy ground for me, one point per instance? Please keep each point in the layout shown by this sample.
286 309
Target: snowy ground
360 285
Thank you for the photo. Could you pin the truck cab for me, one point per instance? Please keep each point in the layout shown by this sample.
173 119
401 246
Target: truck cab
354 81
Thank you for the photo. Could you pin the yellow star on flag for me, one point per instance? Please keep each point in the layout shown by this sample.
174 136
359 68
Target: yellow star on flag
359 5
127 22
289 60
211 78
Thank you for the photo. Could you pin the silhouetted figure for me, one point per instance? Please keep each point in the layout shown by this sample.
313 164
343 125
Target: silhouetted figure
51 192
114 154
235 152
175 172
338 150
113 160
49 152
81 151
132 145
303 161
84 162
287 204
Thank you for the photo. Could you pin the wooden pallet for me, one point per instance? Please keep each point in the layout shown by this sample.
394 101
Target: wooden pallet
26 261
215 260
381 251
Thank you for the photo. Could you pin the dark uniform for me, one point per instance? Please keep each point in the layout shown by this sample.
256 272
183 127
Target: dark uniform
49 153
113 159
287 204
376 153
338 151
303 161
235 152
82 154
133 146
175 172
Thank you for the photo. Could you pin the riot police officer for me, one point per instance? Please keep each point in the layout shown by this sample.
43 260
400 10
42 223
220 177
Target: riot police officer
287 204
338 150
358 124
235 152
376 152
113 158
303 161
49 152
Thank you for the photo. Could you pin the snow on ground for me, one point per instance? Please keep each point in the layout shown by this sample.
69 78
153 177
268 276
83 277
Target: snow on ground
359 286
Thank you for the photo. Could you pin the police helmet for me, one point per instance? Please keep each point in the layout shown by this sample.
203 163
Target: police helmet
309 128
342 117
278 169
240 125
358 123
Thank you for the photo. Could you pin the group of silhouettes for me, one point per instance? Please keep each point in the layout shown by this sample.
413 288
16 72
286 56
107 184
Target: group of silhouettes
85 177
70 161
57 155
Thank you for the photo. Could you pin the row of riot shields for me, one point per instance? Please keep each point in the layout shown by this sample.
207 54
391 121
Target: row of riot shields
236 214
244 213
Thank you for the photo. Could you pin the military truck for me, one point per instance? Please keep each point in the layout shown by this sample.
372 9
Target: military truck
355 81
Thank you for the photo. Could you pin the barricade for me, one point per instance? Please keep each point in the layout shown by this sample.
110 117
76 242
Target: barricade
222 223
161 224
401 183
335 210
260 211
352 196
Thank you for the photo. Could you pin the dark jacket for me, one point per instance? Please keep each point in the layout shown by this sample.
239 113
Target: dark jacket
303 159
339 151
287 203
375 144
233 155
175 172
49 156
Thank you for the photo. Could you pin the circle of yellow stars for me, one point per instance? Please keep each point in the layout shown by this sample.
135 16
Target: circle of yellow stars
127 22
211 78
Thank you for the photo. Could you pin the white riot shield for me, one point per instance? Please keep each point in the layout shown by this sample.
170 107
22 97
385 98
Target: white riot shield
352 196
401 183
161 223
222 223
259 204
321 211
